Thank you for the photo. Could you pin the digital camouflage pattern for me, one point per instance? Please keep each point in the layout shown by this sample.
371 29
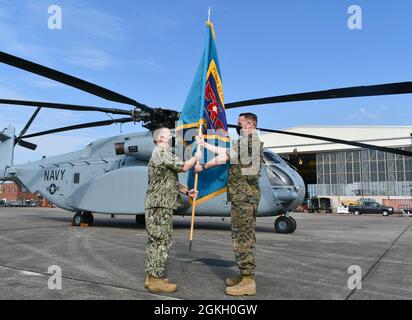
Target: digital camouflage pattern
162 191
246 159
243 215
159 226
162 198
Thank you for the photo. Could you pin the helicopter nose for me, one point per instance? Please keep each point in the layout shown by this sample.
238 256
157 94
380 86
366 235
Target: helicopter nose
285 194
288 187
299 194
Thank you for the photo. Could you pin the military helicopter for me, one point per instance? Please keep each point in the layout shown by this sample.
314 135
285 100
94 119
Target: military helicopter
109 175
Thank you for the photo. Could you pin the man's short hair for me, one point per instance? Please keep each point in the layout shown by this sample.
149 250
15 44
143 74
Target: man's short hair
249 116
158 133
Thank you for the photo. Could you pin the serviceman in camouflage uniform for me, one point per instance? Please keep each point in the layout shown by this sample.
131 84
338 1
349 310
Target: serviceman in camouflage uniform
246 158
162 198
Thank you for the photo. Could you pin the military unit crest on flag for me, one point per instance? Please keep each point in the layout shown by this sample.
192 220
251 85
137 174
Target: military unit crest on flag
204 110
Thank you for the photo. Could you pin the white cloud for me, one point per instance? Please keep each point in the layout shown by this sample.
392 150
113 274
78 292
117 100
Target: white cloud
89 58
29 38
13 41
43 83
370 115
97 23
8 93
84 19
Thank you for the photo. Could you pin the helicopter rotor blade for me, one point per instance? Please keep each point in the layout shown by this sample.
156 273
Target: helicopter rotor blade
28 124
62 106
23 143
26 144
350 92
69 80
79 126
333 140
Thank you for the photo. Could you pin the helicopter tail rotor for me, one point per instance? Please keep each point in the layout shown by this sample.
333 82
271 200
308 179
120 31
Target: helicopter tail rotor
25 144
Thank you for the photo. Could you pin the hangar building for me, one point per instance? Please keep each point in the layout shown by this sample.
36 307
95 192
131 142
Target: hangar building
345 172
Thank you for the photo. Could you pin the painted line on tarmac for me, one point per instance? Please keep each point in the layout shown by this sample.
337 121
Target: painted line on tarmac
32 272
380 259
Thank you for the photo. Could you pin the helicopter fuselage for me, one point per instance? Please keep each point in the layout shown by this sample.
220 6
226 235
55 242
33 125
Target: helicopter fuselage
100 180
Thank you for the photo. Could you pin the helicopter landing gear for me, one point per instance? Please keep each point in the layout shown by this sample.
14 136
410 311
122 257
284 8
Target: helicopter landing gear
285 224
140 220
294 225
83 217
89 218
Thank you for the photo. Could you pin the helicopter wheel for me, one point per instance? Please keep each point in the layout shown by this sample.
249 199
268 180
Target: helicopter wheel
83 217
78 219
140 220
89 218
294 225
284 224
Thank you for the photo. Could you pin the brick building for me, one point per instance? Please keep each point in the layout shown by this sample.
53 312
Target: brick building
12 192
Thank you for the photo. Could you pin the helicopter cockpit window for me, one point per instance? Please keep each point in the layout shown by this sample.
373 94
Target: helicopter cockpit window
276 175
271 157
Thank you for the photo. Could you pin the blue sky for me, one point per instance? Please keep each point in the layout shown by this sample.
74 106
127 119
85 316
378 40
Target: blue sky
149 50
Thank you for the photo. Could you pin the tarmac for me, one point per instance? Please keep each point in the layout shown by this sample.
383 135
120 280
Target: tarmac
106 261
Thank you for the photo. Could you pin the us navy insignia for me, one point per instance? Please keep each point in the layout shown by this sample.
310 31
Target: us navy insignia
52 189
54 174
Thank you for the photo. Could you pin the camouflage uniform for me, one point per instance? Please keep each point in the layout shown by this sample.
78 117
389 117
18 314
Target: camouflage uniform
244 195
162 198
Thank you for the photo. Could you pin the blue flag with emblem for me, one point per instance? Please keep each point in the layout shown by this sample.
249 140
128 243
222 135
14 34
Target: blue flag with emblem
204 113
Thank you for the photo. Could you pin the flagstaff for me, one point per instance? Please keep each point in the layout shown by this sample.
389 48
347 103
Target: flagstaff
203 117
192 224
196 179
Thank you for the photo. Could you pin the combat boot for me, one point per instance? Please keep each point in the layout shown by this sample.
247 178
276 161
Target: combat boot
159 285
146 282
230 282
246 287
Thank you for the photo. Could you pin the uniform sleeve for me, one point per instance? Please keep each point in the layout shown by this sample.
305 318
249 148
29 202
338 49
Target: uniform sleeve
233 151
257 156
252 154
171 161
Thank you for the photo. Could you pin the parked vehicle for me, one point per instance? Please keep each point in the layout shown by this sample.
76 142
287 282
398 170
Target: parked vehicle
370 207
350 202
15 203
406 212
30 203
3 202
343 209
319 205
